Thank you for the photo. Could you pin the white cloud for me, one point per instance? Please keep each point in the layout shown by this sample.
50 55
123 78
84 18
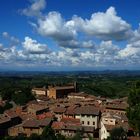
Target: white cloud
130 52
103 25
72 36
32 46
53 25
35 8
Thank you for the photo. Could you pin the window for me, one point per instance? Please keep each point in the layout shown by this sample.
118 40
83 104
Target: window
88 123
93 123
82 122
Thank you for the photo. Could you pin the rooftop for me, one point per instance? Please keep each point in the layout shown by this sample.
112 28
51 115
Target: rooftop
87 110
36 123
59 110
37 107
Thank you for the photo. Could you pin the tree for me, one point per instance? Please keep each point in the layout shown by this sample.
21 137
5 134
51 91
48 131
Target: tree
48 133
133 111
117 134
34 137
60 137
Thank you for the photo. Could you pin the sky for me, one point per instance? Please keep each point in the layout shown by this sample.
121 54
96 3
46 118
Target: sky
65 35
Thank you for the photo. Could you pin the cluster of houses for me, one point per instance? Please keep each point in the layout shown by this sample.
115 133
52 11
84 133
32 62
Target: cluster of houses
68 112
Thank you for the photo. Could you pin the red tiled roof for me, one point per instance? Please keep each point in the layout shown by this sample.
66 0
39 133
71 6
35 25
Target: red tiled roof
4 119
71 121
57 125
87 110
59 110
37 107
11 113
31 123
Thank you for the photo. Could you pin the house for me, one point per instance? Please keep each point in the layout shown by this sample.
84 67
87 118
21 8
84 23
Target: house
105 130
70 112
60 92
15 118
5 123
59 112
71 130
30 126
80 96
114 107
36 109
71 121
110 121
88 115
7 120
39 91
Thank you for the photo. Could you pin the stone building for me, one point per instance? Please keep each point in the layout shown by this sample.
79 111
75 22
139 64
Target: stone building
60 92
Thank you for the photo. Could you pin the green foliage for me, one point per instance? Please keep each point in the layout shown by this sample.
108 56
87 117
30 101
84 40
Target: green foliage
133 111
48 133
78 136
6 107
34 137
118 134
23 96
60 137
97 84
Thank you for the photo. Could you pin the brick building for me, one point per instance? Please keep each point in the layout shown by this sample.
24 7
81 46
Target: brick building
60 92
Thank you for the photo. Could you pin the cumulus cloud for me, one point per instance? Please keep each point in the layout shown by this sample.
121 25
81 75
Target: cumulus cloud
103 25
32 46
53 25
35 9
96 35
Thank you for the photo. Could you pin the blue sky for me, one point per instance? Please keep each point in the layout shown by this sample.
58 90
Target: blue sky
69 35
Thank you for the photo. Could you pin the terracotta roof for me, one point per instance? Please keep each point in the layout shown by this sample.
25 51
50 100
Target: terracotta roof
4 118
57 125
37 107
59 110
70 120
31 123
118 106
87 110
45 122
36 123
11 113
45 115
71 110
